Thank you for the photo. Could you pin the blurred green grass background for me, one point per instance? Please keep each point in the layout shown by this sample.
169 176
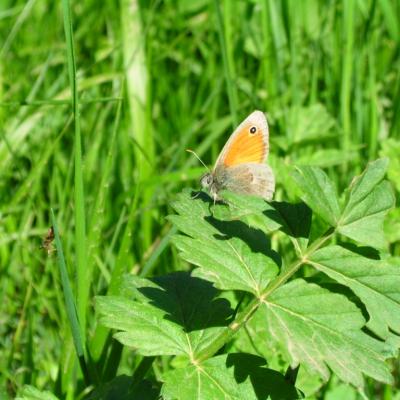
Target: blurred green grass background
96 125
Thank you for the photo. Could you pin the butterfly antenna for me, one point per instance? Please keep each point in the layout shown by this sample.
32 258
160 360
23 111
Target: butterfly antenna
194 153
196 195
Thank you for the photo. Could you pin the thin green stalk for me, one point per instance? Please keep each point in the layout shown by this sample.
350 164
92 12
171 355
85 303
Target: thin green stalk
120 266
373 105
16 342
70 306
151 262
268 60
29 351
31 182
395 126
291 15
278 39
228 65
100 336
141 370
347 70
83 279
114 357
390 11
97 219
244 316
17 26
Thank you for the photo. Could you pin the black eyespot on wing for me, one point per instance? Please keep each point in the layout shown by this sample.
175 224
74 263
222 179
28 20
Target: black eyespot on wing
253 130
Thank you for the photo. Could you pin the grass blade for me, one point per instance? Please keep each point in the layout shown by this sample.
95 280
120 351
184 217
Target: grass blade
80 224
347 68
69 301
137 80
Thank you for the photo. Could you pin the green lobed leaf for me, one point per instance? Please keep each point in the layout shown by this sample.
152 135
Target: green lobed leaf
236 376
254 210
296 222
138 323
292 219
255 339
320 329
318 193
369 198
363 185
375 282
176 314
229 253
367 230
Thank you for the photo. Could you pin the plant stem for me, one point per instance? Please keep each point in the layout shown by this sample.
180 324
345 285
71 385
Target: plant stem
252 307
83 279
70 306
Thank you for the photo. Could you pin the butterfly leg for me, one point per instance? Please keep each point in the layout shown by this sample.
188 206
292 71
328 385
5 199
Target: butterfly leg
196 195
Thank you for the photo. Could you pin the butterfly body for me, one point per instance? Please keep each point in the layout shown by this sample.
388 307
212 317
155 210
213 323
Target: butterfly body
241 166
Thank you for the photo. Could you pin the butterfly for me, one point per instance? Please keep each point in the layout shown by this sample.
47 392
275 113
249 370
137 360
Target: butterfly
241 167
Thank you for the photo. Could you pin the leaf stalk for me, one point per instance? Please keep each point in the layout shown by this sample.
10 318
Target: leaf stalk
244 316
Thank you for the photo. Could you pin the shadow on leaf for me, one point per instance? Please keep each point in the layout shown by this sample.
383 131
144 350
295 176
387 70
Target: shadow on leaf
325 282
267 383
294 218
256 239
365 251
188 301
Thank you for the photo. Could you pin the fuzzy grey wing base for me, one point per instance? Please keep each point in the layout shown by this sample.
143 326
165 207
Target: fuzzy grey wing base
251 178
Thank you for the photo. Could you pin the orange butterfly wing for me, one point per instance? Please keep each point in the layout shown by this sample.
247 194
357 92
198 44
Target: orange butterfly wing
245 146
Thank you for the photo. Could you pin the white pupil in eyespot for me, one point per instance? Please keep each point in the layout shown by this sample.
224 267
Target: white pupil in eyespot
253 129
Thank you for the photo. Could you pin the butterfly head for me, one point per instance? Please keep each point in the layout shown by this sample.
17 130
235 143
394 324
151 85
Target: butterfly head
207 180
209 183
